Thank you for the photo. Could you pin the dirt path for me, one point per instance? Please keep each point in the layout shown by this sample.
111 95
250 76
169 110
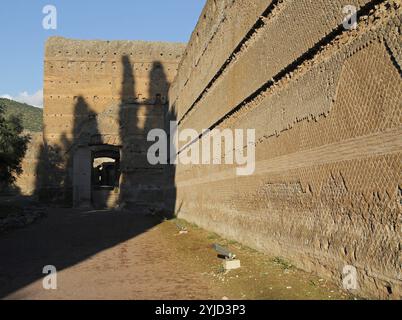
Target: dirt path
119 255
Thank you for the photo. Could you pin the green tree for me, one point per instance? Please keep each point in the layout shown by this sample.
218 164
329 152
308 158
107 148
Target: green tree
13 146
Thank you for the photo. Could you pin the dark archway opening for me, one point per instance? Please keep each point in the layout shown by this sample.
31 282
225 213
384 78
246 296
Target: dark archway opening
105 176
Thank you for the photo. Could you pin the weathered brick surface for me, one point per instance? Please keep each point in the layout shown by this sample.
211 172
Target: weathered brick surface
269 49
26 182
326 191
216 36
107 93
325 103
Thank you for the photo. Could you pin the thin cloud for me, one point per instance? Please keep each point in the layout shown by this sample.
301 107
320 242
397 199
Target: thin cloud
35 99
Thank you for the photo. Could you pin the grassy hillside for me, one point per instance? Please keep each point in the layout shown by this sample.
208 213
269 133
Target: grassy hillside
32 118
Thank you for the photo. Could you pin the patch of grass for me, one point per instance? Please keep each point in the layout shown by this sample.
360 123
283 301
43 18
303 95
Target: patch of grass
233 243
260 276
184 223
249 249
221 269
282 263
194 226
213 236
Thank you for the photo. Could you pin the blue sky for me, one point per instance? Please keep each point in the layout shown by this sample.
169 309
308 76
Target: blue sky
22 35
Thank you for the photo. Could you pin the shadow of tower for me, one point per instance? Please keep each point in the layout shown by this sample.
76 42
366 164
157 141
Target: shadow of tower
127 123
54 170
159 89
143 186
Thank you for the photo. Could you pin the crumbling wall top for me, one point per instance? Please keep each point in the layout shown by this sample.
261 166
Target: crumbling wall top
63 48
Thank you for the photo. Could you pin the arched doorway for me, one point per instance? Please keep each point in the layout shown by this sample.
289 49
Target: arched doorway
96 176
105 177
96 161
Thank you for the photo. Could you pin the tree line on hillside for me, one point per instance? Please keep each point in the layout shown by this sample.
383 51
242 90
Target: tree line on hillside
32 117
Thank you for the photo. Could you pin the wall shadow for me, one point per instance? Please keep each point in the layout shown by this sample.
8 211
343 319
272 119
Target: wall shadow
147 193
144 187
54 171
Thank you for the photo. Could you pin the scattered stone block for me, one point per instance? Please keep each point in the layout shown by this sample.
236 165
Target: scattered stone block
231 264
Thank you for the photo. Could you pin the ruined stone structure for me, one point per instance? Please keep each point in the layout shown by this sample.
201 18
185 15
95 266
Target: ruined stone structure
27 181
325 102
326 105
101 99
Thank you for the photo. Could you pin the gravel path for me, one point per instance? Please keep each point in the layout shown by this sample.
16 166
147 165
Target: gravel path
121 255
98 255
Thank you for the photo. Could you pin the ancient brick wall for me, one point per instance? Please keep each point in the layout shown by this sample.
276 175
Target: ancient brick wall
106 93
26 182
326 105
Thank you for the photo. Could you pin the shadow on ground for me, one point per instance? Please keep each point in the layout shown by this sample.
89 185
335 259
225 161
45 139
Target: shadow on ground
63 239
67 237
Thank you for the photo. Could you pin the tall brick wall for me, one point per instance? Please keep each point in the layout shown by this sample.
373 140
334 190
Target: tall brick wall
26 182
105 93
326 105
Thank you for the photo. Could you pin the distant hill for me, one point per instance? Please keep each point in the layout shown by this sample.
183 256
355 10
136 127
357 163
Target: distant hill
32 117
